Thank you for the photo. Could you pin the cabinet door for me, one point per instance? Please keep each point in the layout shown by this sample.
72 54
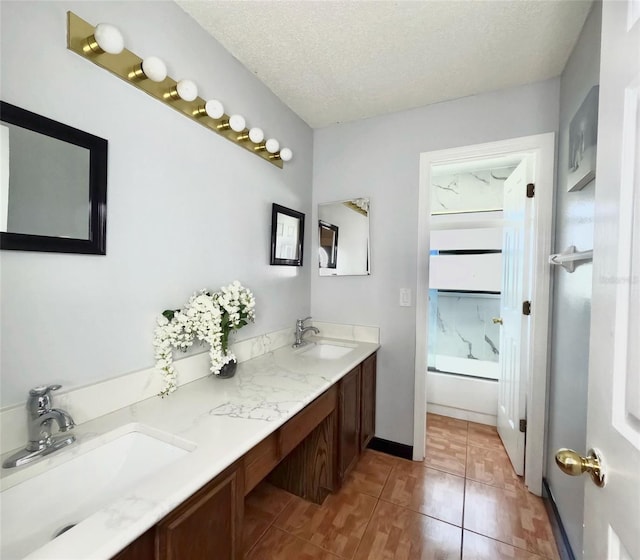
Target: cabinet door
368 402
209 524
141 549
349 422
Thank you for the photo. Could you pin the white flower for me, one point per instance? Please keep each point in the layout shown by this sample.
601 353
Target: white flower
202 319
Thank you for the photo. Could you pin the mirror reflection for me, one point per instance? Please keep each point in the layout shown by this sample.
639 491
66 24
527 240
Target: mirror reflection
44 188
343 234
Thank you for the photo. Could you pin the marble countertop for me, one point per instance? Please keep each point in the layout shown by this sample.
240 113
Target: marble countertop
222 418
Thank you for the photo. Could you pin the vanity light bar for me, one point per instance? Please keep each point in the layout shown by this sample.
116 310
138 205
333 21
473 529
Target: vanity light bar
179 95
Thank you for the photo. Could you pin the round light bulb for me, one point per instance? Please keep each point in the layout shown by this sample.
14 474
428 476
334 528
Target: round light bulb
109 38
214 108
237 123
256 135
154 68
272 145
286 154
187 90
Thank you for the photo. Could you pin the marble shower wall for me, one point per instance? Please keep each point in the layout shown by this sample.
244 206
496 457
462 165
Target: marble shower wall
460 325
473 191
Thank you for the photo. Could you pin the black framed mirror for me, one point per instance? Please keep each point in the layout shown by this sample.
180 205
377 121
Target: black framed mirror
287 236
53 185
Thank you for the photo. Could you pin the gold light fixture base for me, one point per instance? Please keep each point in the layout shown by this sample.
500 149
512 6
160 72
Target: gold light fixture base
80 39
355 208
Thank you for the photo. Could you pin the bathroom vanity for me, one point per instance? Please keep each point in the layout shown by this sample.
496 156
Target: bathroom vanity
310 455
167 478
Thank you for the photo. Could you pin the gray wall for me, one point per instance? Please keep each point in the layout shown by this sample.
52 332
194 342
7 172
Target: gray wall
379 158
567 418
186 208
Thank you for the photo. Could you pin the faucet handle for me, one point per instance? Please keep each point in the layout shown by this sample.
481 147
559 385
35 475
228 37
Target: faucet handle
302 321
40 399
43 390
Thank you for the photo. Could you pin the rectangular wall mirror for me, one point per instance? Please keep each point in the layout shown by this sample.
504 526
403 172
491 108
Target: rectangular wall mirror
287 236
53 185
343 235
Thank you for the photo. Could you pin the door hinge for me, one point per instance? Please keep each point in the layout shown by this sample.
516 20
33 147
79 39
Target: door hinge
531 190
523 425
526 308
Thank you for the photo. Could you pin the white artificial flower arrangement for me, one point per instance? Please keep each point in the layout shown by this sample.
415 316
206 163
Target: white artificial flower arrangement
208 317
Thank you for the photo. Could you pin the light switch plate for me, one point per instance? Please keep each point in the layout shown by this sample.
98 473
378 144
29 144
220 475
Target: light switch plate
405 297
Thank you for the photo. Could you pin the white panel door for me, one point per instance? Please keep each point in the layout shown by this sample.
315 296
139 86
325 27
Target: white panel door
514 334
612 513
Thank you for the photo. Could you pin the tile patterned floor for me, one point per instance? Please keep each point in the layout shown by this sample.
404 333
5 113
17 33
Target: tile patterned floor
463 502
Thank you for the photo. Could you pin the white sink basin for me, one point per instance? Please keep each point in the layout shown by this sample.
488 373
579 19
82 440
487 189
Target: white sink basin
38 509
327 351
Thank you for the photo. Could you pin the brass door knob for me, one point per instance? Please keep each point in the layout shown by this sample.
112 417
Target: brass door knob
574 464
497 320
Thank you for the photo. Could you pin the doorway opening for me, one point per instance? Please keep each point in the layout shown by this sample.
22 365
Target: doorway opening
485 227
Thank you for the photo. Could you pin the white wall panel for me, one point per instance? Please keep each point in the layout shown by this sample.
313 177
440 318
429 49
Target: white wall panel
465 239
480 273
462 393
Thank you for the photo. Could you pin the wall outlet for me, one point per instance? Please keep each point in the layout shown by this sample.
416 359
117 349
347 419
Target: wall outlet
405 297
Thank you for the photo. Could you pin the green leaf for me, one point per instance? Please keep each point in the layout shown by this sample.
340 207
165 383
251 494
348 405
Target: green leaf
169 313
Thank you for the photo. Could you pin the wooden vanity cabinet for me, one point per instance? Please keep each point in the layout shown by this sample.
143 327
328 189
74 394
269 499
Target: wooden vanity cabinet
208 524
356 423
143 548
349 423
310 455
367 401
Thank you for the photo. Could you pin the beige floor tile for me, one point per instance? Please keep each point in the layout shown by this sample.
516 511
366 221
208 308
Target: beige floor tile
278 545
371 472
445 455
429 491
477 547
445 427
261 507
391 508
513 516
337 525
482 435
491 466
400 534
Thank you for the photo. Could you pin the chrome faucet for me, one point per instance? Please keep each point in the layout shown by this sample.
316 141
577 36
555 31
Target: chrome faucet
40 422
300 330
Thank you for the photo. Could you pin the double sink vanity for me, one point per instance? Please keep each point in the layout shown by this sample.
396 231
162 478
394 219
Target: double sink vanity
167 478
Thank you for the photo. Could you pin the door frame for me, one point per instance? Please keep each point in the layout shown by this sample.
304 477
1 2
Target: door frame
542 146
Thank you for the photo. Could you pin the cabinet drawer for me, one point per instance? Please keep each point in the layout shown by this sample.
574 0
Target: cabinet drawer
303 423
259 462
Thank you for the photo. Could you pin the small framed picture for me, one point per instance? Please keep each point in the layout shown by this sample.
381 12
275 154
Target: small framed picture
583 135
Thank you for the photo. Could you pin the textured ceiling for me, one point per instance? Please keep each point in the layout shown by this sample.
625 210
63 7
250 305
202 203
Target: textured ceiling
336 61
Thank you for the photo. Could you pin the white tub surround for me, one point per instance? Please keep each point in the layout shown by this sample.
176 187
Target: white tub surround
222 418
462 397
